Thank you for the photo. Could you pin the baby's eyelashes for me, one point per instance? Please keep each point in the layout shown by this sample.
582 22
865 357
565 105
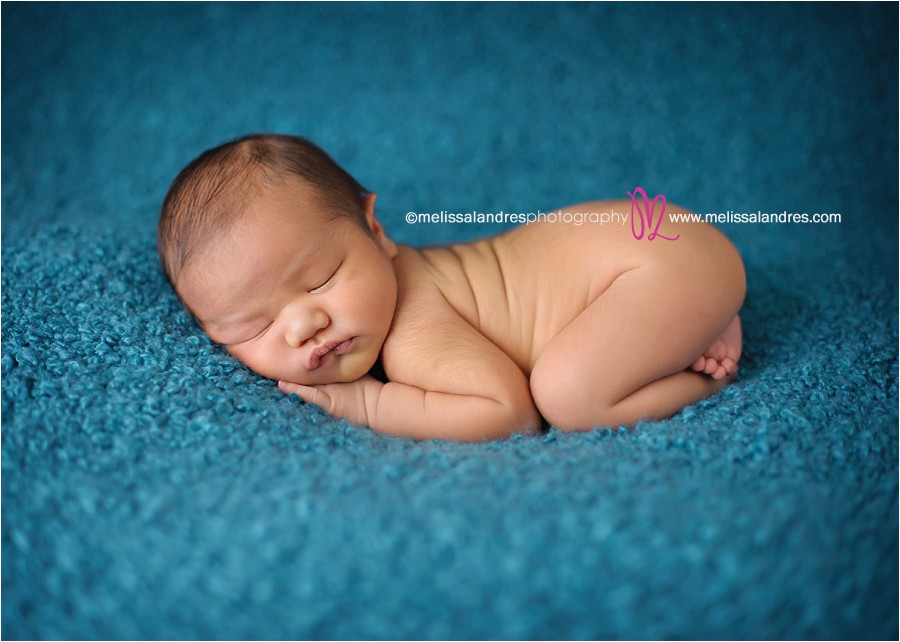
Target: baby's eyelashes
250 338
263 331
324 285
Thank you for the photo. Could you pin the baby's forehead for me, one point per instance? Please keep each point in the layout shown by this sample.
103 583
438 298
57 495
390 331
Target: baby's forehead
273 212
287 214
291 195
279 219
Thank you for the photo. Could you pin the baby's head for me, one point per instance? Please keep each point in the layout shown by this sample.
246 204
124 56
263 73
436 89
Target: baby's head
277 253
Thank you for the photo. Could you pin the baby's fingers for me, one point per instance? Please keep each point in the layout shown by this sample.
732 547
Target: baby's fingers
309 394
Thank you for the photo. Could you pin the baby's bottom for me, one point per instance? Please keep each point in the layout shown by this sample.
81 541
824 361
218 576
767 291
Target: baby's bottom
651 344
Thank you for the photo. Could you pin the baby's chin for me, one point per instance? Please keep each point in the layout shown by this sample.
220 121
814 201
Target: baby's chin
344 372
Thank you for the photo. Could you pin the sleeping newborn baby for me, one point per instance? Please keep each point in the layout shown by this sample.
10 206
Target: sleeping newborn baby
280 257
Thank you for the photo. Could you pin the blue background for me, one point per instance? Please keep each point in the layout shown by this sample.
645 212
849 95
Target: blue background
154 488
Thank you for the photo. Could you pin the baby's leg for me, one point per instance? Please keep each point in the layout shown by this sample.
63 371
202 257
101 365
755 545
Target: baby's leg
627 356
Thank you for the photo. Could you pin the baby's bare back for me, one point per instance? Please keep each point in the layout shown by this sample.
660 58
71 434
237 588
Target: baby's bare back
583 325
521 288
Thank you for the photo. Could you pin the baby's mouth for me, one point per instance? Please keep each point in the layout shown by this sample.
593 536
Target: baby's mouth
320 355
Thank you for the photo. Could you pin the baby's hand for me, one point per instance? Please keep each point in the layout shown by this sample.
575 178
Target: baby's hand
354 401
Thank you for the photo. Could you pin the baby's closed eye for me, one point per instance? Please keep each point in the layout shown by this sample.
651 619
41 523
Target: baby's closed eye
247 337
262 331
323 286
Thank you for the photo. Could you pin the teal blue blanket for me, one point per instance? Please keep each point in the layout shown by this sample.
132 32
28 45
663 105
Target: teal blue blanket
153 488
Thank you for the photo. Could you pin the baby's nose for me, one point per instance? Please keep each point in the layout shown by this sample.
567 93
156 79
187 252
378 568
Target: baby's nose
301 328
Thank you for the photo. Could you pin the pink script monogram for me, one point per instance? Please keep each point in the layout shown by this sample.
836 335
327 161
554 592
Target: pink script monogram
645 209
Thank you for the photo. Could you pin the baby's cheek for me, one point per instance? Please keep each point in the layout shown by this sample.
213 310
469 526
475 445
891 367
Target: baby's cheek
257 362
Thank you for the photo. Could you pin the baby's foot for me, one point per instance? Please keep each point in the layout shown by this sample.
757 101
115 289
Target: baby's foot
720 359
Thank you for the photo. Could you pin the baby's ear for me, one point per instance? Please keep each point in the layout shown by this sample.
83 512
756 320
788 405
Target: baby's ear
375 226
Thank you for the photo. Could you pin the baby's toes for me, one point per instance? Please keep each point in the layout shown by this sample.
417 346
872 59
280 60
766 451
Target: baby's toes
711 366
720 373
699 364
729 365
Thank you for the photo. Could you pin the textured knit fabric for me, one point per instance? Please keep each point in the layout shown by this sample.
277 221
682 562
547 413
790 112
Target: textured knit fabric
153 487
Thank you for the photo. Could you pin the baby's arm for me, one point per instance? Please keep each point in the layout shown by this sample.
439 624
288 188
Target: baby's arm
447 382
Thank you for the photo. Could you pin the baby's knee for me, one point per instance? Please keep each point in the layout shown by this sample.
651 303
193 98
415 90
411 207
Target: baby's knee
565 402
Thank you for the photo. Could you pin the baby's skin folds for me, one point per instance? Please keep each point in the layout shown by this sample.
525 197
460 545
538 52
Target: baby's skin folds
574 325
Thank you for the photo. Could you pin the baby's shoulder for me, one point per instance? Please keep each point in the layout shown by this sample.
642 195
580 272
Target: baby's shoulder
430 279
414 283
422 313
419 298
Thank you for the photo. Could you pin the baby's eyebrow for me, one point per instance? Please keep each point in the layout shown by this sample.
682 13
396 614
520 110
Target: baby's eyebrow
228 334
239 308
251 286
305 259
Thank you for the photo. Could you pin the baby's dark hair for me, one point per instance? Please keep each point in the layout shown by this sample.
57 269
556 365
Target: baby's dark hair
213 190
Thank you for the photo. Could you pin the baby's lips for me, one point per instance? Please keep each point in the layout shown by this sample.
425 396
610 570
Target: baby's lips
337 347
